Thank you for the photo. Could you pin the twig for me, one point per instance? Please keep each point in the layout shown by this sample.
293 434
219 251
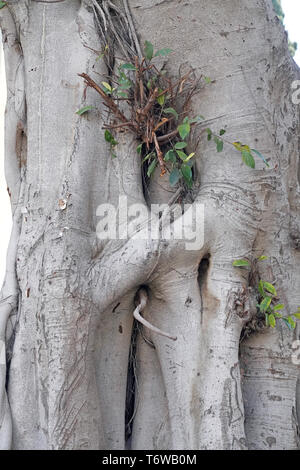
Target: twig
108 101
150 103
159 155
164 138
137 78
116 126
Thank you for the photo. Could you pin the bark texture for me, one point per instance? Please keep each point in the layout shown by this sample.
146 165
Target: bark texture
66 314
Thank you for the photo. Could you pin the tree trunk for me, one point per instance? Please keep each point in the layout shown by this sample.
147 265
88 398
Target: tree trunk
68 298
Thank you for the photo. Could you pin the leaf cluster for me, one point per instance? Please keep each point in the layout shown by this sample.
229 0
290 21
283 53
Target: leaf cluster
157 111
268 301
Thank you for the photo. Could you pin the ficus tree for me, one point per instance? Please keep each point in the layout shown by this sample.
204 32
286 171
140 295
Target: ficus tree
77 368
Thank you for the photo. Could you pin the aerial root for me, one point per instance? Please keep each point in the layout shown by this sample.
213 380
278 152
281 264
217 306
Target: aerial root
142 302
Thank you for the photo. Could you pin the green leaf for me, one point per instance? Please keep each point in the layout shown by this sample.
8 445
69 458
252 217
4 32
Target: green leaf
220 146
184 129
125 86
107 87
187 174
265 304
147 157
267 320
286 321
278 307
139 149
238 146
291 322
100 56
207 80
262 258
277 315
128 67
272 320
2 4
209 134
163 52
161 99
189 157
270 288
186 171
110 138
103 53
222 131
261 288
151 82
248 158
149 50
124 82
152 168
171 111
246 147
296 315
261 156
84 110
238 263
123 94
182 155
123 76
174 177
170 156
180 145
219 143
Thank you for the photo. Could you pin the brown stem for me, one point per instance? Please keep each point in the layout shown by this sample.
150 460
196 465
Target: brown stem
159 155
137 77
108 101
150 103
161 123
141 85
116 126
164 138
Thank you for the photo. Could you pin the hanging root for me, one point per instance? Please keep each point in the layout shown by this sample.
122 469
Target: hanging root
115 25
142 302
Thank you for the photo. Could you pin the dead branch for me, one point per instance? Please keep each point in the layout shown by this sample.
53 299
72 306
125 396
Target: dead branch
108 101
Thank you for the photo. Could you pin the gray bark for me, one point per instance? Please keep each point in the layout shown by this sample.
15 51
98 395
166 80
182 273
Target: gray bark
67 310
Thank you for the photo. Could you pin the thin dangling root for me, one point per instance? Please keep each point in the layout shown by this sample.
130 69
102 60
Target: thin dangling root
142 299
